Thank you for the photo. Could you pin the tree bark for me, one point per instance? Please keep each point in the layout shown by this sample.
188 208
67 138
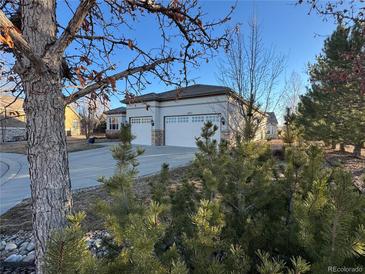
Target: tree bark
48 161
45 118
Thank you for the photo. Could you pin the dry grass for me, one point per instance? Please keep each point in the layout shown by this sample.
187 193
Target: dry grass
78 143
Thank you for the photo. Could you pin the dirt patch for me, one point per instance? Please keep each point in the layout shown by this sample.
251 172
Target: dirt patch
20 216
356 165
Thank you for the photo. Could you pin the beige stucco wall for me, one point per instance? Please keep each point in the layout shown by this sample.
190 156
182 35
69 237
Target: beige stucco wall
158 110
72 122
223 105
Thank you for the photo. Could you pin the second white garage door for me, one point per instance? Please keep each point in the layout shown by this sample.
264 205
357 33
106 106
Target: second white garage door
141 129
182 130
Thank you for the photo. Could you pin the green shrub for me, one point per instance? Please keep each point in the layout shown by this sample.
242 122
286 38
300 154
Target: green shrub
238 211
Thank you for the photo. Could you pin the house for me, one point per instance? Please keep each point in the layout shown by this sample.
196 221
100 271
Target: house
176 117
271 126
12 120
72 122
115 118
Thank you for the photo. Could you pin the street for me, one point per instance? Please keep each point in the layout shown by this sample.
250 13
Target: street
85 167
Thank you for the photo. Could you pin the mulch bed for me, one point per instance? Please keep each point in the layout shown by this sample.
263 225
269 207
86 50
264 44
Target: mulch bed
356 165
20 216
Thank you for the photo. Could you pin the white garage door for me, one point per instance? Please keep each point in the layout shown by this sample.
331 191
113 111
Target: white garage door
182 130
141 129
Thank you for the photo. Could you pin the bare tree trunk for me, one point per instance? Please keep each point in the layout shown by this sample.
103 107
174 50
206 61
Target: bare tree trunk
48 162
45 118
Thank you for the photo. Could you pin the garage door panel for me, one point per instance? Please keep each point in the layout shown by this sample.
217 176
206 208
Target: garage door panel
183 130
141 128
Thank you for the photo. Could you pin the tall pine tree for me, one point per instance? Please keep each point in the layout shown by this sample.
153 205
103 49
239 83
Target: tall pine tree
334 108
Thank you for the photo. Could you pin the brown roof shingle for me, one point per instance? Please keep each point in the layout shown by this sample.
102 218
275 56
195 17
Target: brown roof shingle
193 91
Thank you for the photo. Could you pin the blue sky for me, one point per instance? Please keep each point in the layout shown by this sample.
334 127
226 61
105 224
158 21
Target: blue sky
283 24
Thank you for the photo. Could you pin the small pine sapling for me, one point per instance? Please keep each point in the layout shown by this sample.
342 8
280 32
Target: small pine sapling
67 252
159 186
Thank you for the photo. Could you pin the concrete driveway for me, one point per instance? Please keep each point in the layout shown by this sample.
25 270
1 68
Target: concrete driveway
85 167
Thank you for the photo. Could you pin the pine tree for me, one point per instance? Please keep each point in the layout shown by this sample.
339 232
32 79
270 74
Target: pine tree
67 252
330 221
234 202
335 103
159 186
136 228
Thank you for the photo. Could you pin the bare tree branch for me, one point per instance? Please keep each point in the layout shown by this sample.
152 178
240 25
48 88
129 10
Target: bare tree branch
252 71
20 44
106 81
72 27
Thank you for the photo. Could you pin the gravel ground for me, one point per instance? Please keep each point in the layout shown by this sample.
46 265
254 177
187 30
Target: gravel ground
16 240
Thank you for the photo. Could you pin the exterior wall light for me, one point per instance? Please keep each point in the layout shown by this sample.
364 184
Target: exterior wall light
223 121
152 123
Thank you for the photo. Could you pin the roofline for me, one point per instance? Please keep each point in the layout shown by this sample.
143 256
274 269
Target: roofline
226 91
136 101
74 111
117 112
121 112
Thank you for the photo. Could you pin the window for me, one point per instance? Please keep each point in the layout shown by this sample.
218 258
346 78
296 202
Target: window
197 119
146 120
113 123
212 118
183 119
75 124
135 120
170 120
141 120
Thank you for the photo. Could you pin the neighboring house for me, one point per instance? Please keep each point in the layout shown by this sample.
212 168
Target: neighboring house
12 120
72 122
115 118
271 126
176 117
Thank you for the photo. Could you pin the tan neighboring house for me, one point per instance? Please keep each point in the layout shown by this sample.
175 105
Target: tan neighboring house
12 120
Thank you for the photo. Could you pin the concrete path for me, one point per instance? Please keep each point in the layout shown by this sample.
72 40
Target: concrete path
85 167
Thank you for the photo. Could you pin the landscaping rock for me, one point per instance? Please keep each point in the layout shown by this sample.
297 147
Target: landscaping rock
10 247
30 246
21 258
23 246
14 258
2 245
29 258
97 243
